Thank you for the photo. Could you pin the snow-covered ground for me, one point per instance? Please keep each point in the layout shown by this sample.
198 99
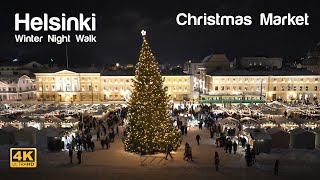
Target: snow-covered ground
115 163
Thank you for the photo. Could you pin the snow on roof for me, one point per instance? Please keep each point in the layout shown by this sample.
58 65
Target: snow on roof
275 130
258 134
298 130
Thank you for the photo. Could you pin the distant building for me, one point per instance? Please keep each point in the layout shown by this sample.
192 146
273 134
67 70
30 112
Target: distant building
12 89
249 62
282 85
192 67
216 62
109 85
312 61
18 68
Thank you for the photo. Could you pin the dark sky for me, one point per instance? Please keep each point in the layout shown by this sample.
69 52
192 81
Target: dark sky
119 24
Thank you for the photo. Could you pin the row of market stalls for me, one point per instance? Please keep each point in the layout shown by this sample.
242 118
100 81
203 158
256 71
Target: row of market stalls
265 134
51 138
38 122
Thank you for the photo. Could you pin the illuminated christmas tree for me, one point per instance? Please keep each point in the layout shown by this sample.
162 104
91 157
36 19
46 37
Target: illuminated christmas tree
150 128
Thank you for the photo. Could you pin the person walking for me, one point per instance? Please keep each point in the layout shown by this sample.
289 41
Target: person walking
168 151
102 143
107 142
235 146
216 161
186 150
79 156
70 154
189 153
198 138
92 146
117 130
276 168
230 146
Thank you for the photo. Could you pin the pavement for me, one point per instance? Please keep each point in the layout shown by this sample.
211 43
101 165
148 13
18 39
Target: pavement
115 163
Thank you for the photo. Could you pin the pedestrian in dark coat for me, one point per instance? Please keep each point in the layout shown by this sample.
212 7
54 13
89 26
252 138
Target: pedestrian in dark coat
70 154
168 151
102 143
117 130
276 168
235 145
230 146
92 145
79 156
198 139
216 161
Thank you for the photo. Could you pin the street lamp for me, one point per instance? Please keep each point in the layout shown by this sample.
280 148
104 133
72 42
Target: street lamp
91 93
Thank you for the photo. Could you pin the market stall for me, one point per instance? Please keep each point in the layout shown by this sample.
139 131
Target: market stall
6 138
50 138
285 123
302 139
279 138
260 140
26 136
317 139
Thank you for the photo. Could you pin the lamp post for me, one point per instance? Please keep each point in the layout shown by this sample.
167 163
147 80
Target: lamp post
42 92
91 93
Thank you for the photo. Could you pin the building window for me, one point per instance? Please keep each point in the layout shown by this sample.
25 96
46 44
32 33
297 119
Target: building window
289 88
110 81
104 88
83 88
104 81
185 81
96 87
300 88
316 80
258 88
127 81
185 89
234 88
274 88
53 87
316 88
89 88
307 88
222 88
47 88
240 88
294 88
282 88
246 88
216 88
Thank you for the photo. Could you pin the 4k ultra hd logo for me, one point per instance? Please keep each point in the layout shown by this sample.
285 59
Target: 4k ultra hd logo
23 157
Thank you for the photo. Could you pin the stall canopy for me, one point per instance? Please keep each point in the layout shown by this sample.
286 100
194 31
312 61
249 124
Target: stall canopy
6 137
279 138
261 140
10 129
302 139
317 139
298 121
45 134
229 120
26 136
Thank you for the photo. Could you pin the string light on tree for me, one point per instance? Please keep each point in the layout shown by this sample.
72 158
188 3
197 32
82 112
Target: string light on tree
150 127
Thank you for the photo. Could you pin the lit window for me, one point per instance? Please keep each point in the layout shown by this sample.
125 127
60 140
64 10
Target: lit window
307 88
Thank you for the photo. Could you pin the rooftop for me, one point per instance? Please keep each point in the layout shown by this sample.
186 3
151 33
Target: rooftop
245 72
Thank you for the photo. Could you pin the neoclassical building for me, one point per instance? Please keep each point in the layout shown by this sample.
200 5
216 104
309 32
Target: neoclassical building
67 86
296 84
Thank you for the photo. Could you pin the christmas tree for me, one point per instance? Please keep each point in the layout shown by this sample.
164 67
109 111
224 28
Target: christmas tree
150 128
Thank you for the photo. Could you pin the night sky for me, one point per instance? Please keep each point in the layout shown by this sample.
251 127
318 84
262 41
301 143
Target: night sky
119 24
